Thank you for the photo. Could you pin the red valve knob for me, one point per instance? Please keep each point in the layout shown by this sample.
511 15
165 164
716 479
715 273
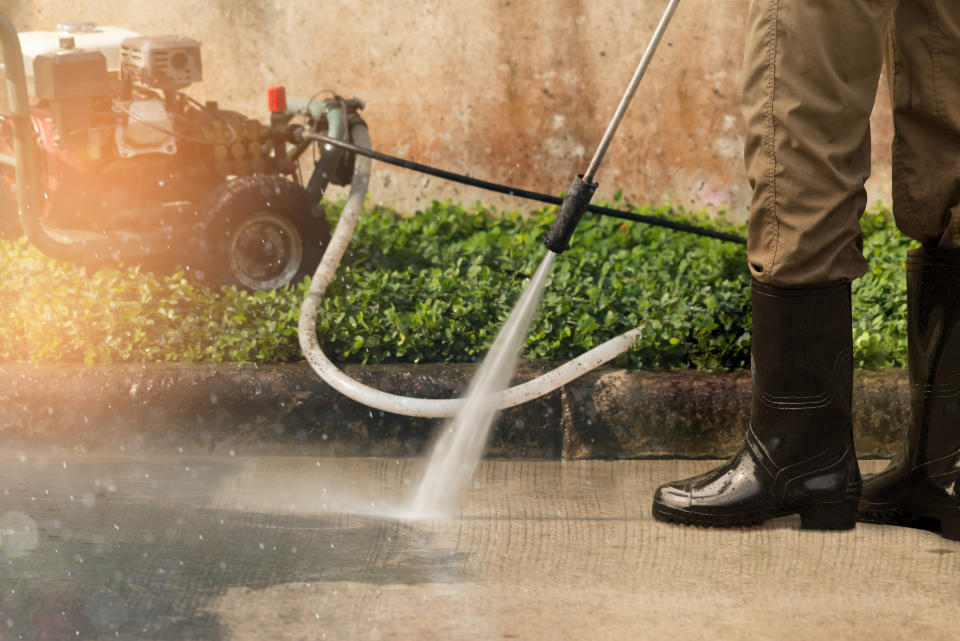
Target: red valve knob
277 99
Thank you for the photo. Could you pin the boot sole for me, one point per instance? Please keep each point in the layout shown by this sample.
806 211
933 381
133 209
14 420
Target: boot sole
839 515
946 520
887 516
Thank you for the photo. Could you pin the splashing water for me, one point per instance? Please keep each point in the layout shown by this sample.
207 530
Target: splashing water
460 444
456 451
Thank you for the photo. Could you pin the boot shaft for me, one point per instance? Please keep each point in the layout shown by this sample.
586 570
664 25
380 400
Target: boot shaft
802 369
933 325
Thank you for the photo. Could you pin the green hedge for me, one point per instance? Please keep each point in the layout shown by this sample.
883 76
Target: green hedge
436 286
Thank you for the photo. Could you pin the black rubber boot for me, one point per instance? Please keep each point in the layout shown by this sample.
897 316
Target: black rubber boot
924 482
798 457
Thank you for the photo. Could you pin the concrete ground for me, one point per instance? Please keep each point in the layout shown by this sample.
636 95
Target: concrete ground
187 547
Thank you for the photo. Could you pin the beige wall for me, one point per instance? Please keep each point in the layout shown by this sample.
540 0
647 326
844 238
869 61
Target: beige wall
515 91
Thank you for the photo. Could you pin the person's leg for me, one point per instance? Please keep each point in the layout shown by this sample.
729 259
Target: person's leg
923 63
810 76
923 68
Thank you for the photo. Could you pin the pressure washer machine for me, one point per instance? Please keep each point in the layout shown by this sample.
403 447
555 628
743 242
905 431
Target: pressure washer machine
107 159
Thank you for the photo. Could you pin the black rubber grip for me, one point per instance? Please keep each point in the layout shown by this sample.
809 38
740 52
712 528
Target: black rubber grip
574 205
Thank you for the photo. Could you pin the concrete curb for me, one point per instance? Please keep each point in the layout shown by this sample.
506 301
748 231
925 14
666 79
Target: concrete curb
246 409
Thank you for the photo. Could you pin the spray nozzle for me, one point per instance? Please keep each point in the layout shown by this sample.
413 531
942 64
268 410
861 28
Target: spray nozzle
574 205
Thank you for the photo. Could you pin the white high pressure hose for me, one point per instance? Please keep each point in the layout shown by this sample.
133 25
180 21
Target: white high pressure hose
423 407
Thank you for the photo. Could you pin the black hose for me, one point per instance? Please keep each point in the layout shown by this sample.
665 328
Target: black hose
523 193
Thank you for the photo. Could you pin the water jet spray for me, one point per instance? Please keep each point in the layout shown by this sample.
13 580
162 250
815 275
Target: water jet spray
557 240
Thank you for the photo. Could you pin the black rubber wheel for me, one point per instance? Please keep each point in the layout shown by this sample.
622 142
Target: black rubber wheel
262 232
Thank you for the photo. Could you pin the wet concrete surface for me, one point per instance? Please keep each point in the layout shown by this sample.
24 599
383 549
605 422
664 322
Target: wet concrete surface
220 547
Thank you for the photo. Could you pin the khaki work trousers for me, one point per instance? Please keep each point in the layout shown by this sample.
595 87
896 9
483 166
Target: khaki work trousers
810 76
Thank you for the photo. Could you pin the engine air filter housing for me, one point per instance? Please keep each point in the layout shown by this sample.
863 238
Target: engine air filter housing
71 74
161 62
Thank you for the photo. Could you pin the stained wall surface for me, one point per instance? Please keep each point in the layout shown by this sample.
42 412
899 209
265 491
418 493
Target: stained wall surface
515 91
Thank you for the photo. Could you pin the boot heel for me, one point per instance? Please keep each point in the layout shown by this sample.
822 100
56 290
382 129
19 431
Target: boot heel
829 516
950 527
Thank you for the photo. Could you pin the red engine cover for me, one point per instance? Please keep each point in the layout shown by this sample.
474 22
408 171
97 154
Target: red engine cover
53 163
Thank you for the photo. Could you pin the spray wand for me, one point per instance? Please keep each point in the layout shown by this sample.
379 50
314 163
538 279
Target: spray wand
578 197
557 239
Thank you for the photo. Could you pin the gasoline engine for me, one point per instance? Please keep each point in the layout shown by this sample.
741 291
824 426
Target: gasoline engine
122 150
